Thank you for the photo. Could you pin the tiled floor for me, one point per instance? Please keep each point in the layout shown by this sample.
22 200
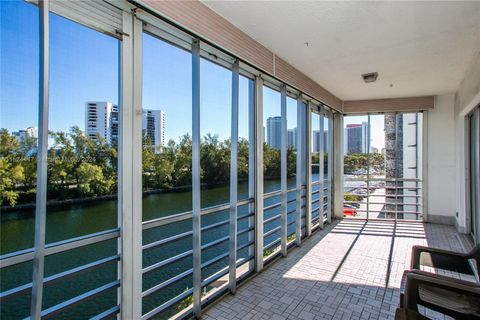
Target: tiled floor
349 270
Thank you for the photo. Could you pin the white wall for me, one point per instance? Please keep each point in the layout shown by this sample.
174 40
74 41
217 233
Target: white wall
440 162
466 99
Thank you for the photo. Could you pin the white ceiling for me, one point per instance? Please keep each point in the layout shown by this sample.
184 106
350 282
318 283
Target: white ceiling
420 48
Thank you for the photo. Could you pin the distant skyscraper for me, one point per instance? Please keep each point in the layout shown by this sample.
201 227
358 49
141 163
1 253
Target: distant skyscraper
292 138
316 141
356 138
101 118
30 132
274 130
153 125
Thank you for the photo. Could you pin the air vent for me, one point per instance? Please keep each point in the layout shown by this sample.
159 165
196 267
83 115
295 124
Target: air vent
370 77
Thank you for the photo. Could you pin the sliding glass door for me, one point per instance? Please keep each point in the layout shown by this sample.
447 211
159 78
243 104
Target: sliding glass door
473 173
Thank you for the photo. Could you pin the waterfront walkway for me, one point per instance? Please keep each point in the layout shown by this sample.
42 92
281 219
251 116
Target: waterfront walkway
349 270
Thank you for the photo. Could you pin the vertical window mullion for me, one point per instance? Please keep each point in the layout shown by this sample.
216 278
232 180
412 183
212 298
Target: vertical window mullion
258 173
321 172
300 157
234 179
41 198
196 205
283 169
308 193
330 167
368 166
251 164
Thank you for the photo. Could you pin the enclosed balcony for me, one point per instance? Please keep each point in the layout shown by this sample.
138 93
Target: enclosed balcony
239 160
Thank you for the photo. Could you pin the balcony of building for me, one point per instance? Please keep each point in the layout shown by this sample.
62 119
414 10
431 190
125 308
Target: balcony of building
245 160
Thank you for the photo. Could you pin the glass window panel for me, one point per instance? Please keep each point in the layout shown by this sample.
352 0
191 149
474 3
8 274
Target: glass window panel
83 125
167 166
18 134
272 139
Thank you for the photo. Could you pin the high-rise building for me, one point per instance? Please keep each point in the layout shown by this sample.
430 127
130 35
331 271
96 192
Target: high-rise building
153 125
292 138
30 132
274 132
101 119
316 141
356 138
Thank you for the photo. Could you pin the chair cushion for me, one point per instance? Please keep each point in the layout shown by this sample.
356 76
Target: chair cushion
459 302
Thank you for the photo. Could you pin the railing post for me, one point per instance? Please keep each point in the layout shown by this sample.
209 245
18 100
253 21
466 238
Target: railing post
300 167
258 173
321 163
251 166
330 167
196 205
337 185
233 179
308 167
41 200
283 170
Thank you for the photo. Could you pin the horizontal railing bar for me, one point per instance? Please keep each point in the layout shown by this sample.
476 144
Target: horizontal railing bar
272 231
275 217
273 206
167 304
214 277
215 242
107 313
271 194
189 233
251 214
271 244
166 240
292 189
60 246
291 200
290 212
166 283
291 222
383 179
75 271
216 259
157 222
315 201
72 302
239 233
166 261
245 245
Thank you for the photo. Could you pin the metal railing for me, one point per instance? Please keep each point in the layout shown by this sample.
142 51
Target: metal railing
385 198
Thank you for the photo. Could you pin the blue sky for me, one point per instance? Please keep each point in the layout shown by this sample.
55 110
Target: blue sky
84 66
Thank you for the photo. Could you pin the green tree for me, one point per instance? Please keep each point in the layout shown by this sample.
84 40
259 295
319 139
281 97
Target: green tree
10 176
92 181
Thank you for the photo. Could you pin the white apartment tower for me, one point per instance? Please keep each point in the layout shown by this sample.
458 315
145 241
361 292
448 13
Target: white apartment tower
101 118
153 125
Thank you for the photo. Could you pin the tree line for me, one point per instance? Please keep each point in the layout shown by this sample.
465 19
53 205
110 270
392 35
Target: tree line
79 166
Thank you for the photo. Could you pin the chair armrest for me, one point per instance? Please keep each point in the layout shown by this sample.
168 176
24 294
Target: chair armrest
415 278
418 250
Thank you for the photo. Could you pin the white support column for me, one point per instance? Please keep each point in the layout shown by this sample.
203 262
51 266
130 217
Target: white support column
41 201
283 170
330 166
300 170
137 188
338 165
258 174
196 205
125 164
321 169
308 187
251 166
234 180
